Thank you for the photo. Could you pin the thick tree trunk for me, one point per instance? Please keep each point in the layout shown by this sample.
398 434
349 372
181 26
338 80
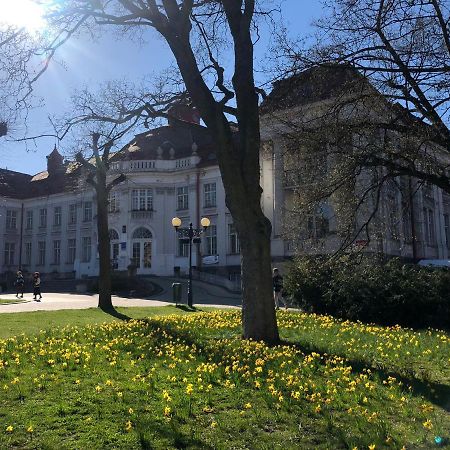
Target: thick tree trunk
240 170
104 279
258 311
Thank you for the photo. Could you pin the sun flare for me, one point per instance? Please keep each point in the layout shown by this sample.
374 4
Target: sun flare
27 14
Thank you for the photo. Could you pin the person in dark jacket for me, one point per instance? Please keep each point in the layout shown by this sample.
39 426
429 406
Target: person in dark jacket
277 283
19 283
37 286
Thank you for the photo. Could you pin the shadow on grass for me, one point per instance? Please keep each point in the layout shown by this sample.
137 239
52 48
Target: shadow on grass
435 392
187 308
172 432
118 315
114 313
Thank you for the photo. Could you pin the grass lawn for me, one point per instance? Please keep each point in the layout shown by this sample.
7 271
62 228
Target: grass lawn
33 322
186 380
7 301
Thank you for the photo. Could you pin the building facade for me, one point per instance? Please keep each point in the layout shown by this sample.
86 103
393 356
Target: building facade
48 221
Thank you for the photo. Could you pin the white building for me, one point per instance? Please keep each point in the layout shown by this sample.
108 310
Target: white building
47 221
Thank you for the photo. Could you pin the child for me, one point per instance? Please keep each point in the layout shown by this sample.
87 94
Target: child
37 286
19 283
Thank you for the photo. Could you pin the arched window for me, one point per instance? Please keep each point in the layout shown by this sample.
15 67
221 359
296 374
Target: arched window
142 233
113 235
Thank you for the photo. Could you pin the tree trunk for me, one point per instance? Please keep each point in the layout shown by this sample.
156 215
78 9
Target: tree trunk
258 310
104 279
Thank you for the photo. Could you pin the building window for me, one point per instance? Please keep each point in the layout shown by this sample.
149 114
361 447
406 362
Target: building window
183 198
86 248
142 200
427 189
211 240
57 216
56 252
183 247
430 234
113 202
72 214
393 220
41 253
71 250
317 225
11 220
209 191
29 220
10 248
43 217
136 259
447 230
28 253
234 246
87 211
406 222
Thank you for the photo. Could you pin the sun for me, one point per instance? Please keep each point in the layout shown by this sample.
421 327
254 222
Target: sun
26 14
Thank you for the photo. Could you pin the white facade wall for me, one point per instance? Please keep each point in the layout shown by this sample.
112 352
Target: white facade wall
163 178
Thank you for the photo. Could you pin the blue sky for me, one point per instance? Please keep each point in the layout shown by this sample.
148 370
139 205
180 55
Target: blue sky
82 62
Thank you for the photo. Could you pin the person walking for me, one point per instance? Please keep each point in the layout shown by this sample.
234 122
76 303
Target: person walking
19 283
277 283
37 286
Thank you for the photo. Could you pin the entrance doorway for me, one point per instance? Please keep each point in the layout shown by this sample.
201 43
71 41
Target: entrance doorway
114 248
142 250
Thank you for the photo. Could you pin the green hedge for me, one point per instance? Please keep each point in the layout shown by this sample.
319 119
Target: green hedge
385 293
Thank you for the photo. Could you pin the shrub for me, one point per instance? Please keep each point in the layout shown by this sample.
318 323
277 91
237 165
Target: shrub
361 289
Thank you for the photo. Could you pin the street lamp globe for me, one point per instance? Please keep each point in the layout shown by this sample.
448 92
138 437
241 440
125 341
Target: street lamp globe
176 222
205 222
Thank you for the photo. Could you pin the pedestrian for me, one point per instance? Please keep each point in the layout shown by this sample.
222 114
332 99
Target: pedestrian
277 283
19 283
37 286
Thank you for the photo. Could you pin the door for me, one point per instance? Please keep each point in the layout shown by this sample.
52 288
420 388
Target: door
114 248
147 261
142 250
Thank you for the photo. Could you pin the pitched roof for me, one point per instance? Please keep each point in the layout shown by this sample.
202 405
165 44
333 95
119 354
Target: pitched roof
151 145
13 184
22 186
313 85
169 142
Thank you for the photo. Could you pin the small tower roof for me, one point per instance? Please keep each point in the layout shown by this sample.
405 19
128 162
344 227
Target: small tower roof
54 153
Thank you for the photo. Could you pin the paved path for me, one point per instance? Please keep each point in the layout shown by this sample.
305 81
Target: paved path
204 294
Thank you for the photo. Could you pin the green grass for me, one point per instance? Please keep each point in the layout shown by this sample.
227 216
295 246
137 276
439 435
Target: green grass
32 322
187 380
13 301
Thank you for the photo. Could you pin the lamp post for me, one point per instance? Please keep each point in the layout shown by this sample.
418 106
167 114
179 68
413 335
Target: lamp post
190 234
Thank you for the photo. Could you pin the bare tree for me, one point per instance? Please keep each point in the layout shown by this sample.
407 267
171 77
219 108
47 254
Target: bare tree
185 26
97 171
402 48
384 113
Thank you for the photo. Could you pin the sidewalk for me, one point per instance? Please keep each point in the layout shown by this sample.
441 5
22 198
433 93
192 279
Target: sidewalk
204 294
